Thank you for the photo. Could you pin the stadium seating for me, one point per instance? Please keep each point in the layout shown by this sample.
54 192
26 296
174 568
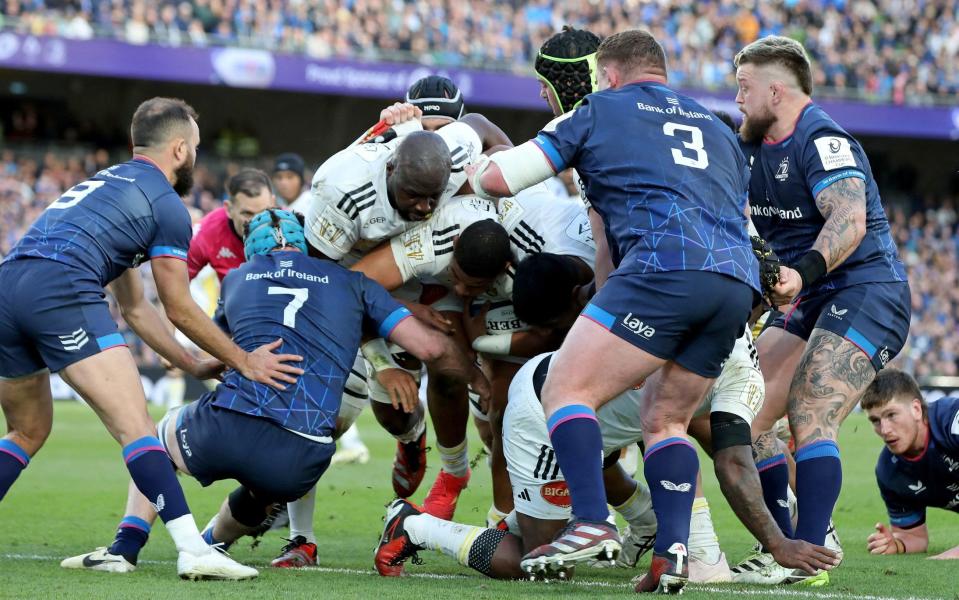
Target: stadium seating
883 50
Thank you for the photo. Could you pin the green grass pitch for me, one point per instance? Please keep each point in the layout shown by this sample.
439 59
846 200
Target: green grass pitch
71 498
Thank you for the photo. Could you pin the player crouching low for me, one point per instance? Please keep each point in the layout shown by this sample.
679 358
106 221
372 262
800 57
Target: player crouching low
244 430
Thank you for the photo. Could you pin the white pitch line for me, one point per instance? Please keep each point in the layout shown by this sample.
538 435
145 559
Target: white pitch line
739 590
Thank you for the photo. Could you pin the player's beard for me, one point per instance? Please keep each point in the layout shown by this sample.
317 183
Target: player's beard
755 126
184 178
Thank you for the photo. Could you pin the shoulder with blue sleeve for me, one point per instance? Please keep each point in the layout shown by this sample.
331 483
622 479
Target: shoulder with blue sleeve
829 153
903 512
563 138
944 424
174 228
382 311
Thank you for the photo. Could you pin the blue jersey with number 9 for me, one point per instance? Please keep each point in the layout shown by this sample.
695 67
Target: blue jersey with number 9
320 310
666 175
111 222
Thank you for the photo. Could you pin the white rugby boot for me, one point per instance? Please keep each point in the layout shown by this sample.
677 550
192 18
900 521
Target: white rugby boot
212 565
99 560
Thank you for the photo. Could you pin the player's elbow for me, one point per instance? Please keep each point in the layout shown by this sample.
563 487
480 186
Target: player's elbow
176 314
860 225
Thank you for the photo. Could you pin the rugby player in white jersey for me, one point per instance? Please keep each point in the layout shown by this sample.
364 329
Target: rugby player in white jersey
361 196
440 252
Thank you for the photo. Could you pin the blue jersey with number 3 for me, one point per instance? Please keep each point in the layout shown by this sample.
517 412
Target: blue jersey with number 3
320 310
111 222
667 177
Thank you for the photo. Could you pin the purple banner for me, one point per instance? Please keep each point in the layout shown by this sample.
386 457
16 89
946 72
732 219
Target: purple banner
249 68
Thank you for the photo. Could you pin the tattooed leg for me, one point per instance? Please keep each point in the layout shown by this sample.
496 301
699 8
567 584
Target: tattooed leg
830 380
779 354
831 377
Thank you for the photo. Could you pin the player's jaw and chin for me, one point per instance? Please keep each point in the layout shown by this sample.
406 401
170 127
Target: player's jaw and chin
184 175
756 124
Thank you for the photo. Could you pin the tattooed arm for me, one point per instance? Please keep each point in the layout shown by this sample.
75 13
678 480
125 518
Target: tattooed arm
843 205
740 484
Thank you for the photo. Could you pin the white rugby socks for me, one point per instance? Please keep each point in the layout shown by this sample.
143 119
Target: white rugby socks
414 433
638 509
301 516
455 460
703 541
186 536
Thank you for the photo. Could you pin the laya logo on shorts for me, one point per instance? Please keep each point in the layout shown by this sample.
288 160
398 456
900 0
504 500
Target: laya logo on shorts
837 313
556 493
884 355
638 327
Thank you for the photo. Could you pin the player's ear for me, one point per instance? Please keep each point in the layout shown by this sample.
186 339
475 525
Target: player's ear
916 408
181 149
776 91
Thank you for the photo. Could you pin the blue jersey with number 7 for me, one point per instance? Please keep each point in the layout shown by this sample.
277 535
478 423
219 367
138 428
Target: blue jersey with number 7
666 175
320 310
111 222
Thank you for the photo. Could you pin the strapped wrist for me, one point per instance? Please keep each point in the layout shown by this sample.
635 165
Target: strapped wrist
811 267
379 355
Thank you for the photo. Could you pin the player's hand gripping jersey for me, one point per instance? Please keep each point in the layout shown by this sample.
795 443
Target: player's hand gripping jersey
320 310
786 178
110 223
642 152
351 211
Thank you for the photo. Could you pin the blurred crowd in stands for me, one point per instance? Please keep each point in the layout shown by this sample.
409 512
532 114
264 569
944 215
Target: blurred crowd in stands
899 51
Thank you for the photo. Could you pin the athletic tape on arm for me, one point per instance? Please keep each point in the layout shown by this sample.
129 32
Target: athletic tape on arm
493 344
523 166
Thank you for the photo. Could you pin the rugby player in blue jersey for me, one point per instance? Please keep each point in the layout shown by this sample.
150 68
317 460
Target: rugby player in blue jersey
844 296
54 317
919 467
244 429
669 182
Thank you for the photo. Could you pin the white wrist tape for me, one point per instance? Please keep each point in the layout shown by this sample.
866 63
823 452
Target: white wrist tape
523 166
379 355
407 127
493 344
476 179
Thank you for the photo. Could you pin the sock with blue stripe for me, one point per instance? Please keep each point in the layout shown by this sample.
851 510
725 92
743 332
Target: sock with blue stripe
153 475
670 467
774 477
818 481
132 535
578 444
13 460
207 536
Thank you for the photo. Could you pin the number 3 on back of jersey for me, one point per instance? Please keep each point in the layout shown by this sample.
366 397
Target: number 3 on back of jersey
701 161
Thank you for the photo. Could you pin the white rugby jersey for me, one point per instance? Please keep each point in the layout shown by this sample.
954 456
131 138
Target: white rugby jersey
351 212
535 220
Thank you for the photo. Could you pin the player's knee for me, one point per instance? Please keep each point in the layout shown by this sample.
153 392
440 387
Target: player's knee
32 438
728 430
393 420
245 508
447 381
